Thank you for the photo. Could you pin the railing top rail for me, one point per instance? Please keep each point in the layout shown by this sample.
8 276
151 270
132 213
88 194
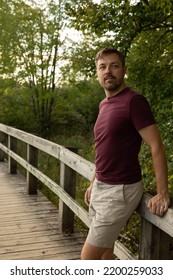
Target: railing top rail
76 162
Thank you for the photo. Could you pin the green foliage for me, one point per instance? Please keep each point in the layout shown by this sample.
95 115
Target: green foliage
14 105
121 18
77 107
150 70
30 43
150 64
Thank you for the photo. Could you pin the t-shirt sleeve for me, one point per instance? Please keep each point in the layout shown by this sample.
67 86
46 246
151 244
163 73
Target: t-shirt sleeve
140 112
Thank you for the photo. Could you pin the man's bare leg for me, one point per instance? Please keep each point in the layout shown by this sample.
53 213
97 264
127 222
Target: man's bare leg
108 255
91 252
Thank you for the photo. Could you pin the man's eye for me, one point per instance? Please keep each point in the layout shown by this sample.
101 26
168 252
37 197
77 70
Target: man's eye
114 66
102 67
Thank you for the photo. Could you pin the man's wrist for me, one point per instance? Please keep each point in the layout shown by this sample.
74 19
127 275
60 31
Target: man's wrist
162 192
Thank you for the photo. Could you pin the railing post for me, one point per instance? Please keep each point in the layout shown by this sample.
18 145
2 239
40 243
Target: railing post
154 243
12 164
68 183
2 140
32 158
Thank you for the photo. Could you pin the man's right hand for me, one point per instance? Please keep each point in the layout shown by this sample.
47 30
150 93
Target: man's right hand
88 194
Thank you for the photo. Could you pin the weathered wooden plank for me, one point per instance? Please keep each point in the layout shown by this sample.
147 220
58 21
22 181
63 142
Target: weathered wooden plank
41 237
28 216
12 145
122 252
29 213
26 224
68 183
29 205
32 158
17 199
33 225
66 256
73 252
2 140
154 243
63 246
39 253
29 209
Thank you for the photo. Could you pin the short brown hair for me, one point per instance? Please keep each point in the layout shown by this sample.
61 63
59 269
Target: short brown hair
107 51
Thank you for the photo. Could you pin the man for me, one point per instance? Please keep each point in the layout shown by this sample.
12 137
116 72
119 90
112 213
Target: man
124 120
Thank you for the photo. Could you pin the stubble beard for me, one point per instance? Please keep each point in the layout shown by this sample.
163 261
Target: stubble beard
112 87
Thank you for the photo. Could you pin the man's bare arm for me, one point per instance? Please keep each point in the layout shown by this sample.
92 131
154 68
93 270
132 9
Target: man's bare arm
160 202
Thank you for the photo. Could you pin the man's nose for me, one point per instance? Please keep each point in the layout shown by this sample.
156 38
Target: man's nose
108 69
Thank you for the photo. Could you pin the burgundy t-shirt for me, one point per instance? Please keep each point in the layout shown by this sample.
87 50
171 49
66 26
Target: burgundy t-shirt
117 139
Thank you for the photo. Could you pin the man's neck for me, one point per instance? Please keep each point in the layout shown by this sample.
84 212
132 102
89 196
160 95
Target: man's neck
114 92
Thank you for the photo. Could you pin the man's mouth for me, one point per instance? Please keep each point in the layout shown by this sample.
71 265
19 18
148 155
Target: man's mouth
109 78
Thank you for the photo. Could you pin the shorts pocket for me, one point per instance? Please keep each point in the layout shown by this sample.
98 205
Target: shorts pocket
110 204
113 193
119 193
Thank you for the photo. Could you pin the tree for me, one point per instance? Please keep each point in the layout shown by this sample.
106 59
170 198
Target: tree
30 51
121 18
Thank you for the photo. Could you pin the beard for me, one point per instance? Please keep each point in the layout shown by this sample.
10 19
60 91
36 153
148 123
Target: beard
112 84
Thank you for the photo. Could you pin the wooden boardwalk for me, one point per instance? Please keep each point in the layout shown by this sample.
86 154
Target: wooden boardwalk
29 224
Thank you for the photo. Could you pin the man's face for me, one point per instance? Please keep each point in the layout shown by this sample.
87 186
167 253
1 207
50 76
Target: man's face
111 73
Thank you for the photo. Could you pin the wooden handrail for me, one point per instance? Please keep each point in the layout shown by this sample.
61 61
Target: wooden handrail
76 162
71 160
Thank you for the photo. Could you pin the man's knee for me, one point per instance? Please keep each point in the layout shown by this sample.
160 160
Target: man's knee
91 252
108 254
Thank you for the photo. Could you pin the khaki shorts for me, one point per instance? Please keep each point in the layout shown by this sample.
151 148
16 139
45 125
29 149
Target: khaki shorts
110 208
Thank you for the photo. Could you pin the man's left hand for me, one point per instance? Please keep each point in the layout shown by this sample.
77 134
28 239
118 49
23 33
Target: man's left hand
159 204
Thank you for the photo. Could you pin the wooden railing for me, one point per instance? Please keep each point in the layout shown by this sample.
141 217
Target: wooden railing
156 233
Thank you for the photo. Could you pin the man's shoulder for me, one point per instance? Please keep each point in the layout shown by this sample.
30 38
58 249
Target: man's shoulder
128 94
133 95
132 92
